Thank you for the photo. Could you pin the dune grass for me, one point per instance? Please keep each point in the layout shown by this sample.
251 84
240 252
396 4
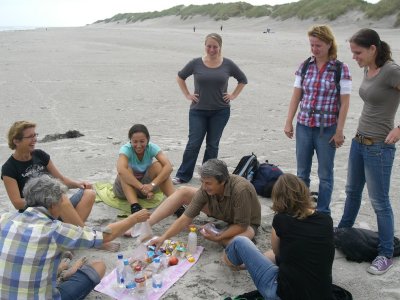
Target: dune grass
304 9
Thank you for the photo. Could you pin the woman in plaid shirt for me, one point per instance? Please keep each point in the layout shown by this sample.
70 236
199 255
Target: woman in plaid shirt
322 113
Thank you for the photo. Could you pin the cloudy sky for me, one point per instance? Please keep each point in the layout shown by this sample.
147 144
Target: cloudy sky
51 13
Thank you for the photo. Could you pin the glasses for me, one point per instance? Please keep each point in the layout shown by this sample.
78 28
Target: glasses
31 137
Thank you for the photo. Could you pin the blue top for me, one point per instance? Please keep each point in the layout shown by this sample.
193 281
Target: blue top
138 166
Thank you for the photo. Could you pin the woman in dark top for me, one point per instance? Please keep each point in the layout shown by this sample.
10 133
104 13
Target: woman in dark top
299 266
27 162
210 103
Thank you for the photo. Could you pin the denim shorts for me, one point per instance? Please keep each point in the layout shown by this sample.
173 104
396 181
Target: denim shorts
77 197
80 284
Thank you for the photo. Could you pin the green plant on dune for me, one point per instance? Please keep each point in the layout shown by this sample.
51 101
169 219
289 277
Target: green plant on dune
303 9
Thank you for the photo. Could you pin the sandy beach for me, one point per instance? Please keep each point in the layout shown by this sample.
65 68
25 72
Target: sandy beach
101 79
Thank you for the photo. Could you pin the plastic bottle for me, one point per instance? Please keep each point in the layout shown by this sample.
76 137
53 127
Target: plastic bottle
130 277
120 271
192 241
157 278
140 281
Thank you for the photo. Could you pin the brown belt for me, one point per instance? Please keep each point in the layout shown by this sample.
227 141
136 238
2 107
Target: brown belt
362 139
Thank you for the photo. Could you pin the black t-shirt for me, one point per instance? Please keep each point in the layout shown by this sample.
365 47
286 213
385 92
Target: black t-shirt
306 253
21 171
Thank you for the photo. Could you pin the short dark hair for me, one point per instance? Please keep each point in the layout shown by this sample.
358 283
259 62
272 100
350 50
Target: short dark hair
139 128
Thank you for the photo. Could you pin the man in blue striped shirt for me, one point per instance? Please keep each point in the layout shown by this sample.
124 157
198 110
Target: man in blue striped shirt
32 243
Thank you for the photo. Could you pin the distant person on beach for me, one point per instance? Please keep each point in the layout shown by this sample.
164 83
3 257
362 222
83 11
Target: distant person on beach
210 103
322 114
138 175
299 266
27 162
225 197
221 27
32 244
373 148
194 28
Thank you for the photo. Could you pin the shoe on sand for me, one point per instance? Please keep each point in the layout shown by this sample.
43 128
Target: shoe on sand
380 265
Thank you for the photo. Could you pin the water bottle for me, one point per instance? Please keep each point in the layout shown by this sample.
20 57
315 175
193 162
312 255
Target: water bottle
192 241
140 281
120 271
129 277
157 278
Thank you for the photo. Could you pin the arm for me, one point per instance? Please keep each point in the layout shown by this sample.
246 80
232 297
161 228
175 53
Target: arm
294 104
176 227
125 174
185 90
232 231
119 228
67 181
338 138
12 189
235 93
275 242
165 172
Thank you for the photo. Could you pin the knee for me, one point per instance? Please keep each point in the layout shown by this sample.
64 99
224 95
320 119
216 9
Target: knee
155 169
89 196
100 267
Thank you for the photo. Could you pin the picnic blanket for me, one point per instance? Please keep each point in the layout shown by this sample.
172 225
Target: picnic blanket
108 285
104 193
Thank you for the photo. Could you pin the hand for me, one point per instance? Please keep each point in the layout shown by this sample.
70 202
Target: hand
141 215
146 188
84 185
158 242
228 97
209 235
288 130
193 97
393 136
337 140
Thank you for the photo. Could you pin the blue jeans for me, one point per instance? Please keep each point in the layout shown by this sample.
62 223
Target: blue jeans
202 122
80 284
76 198
263 272
372 165
308 140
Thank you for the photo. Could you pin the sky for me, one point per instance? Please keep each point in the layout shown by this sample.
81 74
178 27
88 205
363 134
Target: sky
59 13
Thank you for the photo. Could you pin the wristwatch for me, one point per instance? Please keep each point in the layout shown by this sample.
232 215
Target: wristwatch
153 185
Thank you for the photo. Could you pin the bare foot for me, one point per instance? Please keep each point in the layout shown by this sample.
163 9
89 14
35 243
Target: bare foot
66 274
128 233
110 246
230 265
64 265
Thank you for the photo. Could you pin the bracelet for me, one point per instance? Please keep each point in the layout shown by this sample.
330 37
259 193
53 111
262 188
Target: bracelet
153 185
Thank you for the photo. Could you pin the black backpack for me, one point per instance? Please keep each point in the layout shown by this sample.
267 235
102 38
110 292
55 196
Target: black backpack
265 178
247 166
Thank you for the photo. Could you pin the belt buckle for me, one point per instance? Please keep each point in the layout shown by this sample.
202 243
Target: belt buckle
368 141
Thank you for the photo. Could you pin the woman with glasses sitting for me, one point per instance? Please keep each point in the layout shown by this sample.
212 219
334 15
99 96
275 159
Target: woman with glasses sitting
27 162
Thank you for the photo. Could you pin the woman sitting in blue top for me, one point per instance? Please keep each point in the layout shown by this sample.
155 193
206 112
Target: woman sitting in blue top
138 175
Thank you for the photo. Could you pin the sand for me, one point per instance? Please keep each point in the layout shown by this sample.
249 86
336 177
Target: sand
101 79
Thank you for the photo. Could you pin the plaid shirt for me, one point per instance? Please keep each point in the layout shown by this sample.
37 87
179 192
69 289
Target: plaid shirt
320 94
31 244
